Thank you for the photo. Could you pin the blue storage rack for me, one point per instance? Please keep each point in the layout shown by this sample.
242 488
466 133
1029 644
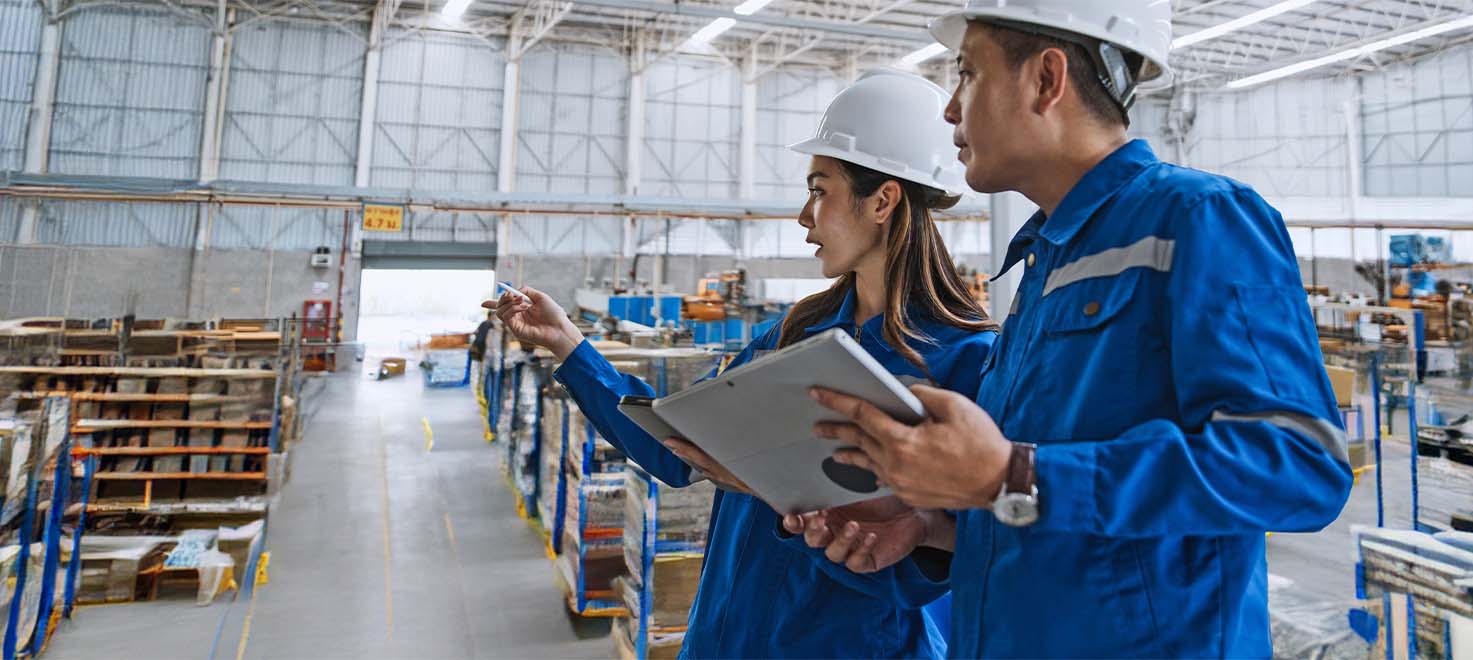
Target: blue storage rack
55 410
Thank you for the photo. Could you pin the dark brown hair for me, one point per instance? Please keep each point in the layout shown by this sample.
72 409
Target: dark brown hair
918 269
1017 46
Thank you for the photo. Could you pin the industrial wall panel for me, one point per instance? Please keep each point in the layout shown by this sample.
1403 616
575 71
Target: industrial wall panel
682 237
564 236
790 102
570 123
1418 123
270 228
130 93
116 224
20 39
692 129
439 113
1148 122
775 238
291 110
10 210
1286 139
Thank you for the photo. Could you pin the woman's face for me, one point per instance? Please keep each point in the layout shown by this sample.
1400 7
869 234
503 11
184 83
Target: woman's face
848 232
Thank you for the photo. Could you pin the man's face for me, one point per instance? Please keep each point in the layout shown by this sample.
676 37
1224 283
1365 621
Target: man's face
990 111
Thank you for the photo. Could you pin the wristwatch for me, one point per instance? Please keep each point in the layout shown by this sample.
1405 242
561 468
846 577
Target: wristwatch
1017 504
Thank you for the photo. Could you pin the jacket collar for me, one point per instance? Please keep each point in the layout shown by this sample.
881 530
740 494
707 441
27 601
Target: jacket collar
1098 186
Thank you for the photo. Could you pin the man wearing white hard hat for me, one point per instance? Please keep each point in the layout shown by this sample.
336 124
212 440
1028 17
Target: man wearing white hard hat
1157 400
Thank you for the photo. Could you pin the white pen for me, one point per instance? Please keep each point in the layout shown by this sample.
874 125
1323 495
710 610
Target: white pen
514 291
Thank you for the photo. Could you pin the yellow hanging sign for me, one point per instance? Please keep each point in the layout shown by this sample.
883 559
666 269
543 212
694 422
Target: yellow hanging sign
383 217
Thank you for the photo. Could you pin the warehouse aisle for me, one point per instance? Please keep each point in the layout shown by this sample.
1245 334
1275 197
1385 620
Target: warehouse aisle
379 549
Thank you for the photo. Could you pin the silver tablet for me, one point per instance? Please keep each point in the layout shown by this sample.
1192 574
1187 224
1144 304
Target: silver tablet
757 420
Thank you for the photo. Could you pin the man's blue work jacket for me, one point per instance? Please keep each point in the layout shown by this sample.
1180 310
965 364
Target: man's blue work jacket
1162 356
765 596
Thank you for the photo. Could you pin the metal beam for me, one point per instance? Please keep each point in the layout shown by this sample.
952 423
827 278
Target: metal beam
634 120
776 20
209 156
1010 211
368 112
511 91
535 21
43 110
748 158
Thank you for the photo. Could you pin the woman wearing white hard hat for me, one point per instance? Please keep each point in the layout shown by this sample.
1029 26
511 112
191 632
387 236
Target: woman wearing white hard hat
882 161
1158 400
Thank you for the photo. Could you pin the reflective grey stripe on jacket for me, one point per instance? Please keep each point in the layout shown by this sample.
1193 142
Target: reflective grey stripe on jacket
1328 435
1149 252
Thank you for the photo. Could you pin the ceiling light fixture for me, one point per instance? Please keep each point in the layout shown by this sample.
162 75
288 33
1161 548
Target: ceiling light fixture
751 7
922 55
1352 53
454 9
703 37
1239 23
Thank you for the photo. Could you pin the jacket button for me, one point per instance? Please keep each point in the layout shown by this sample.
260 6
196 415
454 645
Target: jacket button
1091 309
1031 259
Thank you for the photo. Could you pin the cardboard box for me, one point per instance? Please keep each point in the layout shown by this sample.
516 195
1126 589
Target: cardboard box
391 366
1342 380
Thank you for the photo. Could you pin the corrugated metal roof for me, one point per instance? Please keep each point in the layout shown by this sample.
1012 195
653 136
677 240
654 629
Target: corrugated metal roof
20 35
292 107
439 113
130 94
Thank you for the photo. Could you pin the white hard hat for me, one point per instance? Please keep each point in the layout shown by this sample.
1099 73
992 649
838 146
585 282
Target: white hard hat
891 122
1142 27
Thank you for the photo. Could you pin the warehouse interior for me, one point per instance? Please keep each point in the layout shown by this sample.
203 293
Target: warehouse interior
250 403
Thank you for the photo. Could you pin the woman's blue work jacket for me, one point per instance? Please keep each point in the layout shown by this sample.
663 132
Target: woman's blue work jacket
763 595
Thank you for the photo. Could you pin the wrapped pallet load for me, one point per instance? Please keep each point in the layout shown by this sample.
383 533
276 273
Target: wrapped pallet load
664 545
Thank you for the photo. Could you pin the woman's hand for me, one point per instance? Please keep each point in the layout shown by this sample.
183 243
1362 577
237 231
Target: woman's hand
700 460
865 537
537 319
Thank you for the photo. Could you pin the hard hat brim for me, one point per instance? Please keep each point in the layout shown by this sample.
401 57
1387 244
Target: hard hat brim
949 29
817 147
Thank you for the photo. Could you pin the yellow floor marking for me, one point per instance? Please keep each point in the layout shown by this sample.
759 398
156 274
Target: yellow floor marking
245 629
388 550
429 434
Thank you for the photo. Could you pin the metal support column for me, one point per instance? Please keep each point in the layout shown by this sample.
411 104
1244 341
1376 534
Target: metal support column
209 150
43 107
748 157
506 171
1010 211
634 121
368 115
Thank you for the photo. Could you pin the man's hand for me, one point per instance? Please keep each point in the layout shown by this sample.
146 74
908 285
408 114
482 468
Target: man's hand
956 459
865 537
700 460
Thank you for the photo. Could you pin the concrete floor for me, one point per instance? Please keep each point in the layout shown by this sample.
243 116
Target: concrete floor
379 549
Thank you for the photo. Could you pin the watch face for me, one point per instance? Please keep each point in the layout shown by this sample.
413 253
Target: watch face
1016 509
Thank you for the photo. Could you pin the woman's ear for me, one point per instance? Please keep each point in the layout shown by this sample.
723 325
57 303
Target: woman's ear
884 201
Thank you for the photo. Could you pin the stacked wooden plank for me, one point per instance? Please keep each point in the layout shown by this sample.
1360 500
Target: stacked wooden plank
156 431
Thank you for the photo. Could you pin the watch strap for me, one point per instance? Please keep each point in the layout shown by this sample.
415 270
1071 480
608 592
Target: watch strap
1022 476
